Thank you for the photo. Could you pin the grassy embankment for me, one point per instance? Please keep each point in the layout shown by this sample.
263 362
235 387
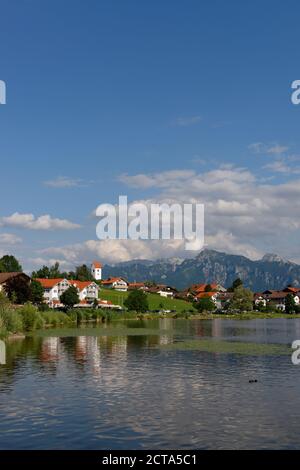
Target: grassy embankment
156 302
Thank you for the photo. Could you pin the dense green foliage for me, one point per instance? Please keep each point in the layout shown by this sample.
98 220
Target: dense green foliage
290 304
83 273
237 283
137 301
37 292
9 264
205 305
70 297
18 290
27 318
51 272
242 299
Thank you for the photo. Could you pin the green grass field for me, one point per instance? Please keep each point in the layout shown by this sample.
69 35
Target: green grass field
155 301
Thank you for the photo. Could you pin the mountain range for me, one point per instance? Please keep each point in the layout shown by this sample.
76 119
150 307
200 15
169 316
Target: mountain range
270 272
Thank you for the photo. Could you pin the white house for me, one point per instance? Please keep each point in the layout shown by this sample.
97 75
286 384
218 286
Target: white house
96 270
87 290
259 299
165 293
116 283
54 288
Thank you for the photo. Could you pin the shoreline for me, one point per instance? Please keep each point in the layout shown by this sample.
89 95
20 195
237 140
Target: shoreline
149 317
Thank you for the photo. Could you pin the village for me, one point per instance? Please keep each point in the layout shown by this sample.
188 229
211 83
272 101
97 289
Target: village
204 297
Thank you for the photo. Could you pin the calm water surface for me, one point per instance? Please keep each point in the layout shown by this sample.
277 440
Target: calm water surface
123 391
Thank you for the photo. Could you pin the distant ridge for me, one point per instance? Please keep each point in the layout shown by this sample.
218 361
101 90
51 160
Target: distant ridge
271 272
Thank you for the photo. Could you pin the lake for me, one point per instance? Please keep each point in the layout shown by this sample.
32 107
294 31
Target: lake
157 384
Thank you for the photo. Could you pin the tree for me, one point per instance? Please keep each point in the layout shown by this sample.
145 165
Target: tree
54 271
18 290
37 292
83 273
70 297
205 305
137 300
208 288
290 304
242 299
49 273
237 283
9 264
43 273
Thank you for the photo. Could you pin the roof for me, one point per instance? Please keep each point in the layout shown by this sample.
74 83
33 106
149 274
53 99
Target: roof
293 290
278 295
6 276
49 283
111 280
97 265
201 287
136 285
81 284
205 295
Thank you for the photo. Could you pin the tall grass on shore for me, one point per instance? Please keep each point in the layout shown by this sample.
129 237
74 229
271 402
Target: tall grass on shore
27 318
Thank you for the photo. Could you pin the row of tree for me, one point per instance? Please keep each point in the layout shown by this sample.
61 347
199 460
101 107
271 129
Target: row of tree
81 273
9 264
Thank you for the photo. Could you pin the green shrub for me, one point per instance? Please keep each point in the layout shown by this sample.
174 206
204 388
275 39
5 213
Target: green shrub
44 307
12 320
32 318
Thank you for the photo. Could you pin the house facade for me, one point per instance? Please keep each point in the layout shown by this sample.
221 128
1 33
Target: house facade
117 283
53 289
163 290
87 290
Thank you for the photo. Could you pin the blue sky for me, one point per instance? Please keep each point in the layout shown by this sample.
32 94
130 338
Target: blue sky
100 89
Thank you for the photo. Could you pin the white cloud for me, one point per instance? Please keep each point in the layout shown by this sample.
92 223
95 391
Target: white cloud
284 166
253 212
9 239
256 147
115 251
64 182
159 180
271 149
37 262
187 121
43 222
277 149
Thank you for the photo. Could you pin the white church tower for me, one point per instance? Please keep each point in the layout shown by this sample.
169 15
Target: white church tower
96 270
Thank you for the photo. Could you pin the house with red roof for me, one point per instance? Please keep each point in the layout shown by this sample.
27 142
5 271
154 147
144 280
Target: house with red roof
117 283
53 289
277 298
87 290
